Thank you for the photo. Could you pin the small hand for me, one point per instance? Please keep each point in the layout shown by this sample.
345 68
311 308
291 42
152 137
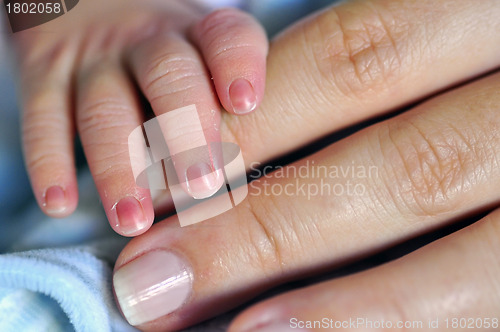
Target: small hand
80 71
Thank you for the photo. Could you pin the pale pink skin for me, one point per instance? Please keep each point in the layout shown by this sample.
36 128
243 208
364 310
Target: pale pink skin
176 54
436 163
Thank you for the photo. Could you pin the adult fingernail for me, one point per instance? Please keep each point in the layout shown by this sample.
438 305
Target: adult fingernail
202 181
279 327
242 96
55 200
130 216
151 286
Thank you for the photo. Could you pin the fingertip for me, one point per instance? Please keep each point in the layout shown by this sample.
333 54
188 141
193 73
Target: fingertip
242 97
55 201
59 201
240 82
131 216
234 46
202 181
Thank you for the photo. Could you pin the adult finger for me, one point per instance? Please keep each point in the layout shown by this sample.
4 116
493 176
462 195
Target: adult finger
391 181
107 112
445 285
360 59
172 76
234 47
314 83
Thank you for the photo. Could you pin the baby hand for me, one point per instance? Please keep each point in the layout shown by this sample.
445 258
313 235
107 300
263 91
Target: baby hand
86 70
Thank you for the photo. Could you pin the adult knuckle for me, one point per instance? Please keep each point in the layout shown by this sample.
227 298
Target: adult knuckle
362 54
279 233
263 243
233 129
426 169
271 237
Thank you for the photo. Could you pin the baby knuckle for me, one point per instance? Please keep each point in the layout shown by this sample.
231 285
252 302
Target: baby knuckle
224 32
43 160
108 169
172 73
101 115
40 99
217 20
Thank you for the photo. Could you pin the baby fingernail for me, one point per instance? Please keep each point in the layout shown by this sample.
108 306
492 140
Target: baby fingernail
202 181
55 200
130 216
242 96
151 286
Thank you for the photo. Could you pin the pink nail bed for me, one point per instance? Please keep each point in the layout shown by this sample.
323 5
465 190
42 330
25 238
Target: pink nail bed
55 200
130 215
202 181
151 286
242 96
